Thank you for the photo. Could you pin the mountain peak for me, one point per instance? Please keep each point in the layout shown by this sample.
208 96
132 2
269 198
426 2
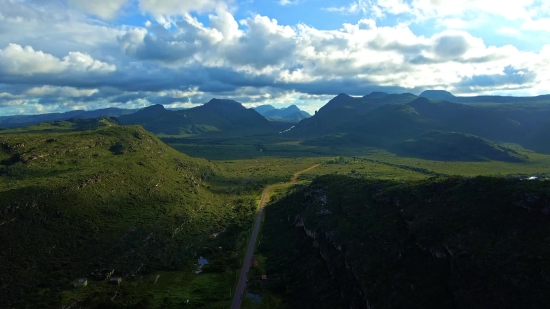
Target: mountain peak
223 101
293 108
437 95
264 108
375 95
152 110
343 95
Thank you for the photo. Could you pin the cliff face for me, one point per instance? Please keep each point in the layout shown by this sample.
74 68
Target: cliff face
442 243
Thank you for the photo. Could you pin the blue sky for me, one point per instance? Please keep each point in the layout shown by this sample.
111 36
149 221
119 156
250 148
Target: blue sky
63 55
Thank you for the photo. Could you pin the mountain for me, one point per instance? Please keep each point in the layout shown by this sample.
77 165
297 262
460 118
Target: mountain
447 96
26 120
289 113
392 119
344 109
375 95
216 115
438 95
264 108
451 146
448 242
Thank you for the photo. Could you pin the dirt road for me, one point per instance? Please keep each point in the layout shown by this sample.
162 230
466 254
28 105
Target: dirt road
241 285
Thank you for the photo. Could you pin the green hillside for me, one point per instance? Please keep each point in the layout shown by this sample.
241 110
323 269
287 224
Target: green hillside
451 146
214 116
392 119
344 111
74 200
436 243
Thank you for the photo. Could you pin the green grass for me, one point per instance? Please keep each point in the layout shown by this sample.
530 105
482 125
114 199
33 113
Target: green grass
75 200
77 195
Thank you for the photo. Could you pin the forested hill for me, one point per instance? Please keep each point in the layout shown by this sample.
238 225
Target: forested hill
455 242
87 194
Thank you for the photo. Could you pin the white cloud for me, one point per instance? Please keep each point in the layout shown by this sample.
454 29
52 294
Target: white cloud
542 24
288 2
508 31
164 10
455 23
105 9
18 60
255 60
60 91
355 7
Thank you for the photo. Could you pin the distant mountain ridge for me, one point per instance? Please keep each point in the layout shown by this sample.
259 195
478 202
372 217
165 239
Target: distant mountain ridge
289 113
27 120
216 115
447 96
385 120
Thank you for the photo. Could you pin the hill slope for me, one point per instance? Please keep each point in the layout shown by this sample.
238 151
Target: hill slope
450 146
216 115
474 243
391 119
74 200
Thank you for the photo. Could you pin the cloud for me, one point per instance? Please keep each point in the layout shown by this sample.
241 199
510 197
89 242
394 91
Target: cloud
60 91
355 7
86 63
508 31
164 10
509 78
288 2
105 9
18 60
542 24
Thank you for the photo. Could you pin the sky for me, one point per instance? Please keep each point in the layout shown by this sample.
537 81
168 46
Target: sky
62 55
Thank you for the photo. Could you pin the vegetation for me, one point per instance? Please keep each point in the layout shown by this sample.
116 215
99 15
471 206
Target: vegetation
75 200
394 214
437 243
449 146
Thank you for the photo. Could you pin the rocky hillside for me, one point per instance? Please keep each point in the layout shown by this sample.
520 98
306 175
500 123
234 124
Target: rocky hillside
343 242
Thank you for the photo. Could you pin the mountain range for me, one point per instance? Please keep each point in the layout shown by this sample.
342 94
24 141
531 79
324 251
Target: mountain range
377 120
386 120
447 96
216 115
27 120
292 113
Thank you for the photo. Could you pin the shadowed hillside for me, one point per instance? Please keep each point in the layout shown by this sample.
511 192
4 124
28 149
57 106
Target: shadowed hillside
450 146
216 115
383 122
438 243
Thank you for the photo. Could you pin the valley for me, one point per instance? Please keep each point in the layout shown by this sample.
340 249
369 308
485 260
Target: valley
395 201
